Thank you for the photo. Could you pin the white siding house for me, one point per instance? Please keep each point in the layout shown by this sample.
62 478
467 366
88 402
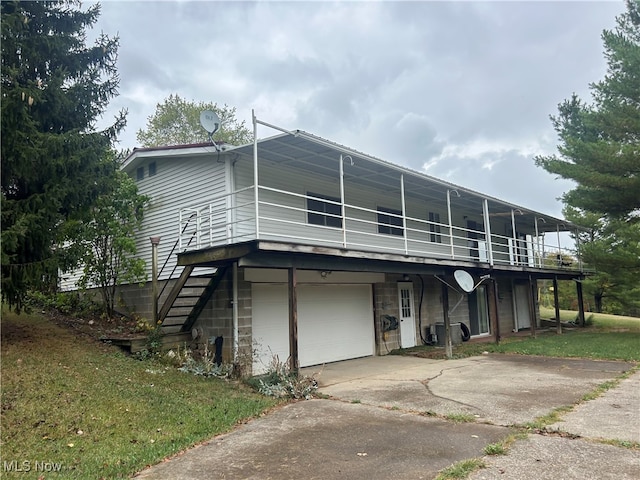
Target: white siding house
316 252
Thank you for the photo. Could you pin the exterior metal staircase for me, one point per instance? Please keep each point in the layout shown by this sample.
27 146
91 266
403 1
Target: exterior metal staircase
187 298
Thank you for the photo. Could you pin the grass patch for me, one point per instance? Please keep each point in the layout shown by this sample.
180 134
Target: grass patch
550 418
98 412
461 469
600 321
622 443
495 449
578 343
460 417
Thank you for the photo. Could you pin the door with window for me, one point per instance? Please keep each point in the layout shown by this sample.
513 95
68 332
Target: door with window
407 315
479 312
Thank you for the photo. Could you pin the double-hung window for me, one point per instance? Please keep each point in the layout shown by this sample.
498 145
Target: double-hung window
324 210
390 221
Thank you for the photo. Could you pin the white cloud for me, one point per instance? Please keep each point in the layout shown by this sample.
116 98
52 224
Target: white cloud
462 90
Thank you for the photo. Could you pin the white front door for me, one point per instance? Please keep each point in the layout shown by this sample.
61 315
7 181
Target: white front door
407 317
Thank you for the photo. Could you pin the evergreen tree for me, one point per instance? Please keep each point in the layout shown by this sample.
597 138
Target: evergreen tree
600 150
177 122
600 143
54 87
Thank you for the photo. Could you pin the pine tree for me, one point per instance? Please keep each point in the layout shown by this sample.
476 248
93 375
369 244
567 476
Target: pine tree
54 87
600 143
600 150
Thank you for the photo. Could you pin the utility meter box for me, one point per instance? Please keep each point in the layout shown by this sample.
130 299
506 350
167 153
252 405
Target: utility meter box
456 334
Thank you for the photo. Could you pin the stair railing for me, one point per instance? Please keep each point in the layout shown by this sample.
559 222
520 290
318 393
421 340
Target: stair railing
175 245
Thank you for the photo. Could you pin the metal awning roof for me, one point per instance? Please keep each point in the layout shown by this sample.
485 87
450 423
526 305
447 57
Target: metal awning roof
317 156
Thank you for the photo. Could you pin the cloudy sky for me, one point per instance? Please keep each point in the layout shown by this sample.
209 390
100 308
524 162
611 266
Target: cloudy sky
460 90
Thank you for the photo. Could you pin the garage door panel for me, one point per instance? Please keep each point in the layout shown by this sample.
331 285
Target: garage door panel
270 327
335 322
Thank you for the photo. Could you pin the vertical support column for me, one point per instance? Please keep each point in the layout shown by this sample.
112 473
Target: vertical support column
293 320
578 254
493 308
236 328
580 302
404 215
154 278
453 255
255 172
447 322
559 249
515 238
537 241
487 229
556 304
532 307
342 209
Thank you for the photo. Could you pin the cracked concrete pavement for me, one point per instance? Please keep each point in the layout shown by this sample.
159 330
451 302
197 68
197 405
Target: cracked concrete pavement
391 417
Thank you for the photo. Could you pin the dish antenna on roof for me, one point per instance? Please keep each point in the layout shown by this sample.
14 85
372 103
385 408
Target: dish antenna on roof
210 121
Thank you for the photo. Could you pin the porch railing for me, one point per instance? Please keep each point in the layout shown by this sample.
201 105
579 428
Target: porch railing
283 215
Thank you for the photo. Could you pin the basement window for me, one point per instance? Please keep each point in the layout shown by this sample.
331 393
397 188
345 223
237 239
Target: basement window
324 210
389 220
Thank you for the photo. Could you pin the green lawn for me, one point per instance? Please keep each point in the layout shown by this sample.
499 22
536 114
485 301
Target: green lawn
597 320
98 413
608 337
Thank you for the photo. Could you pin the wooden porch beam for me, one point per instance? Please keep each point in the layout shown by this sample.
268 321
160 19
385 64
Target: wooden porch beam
580 303
556 304
293 321
493 308
532 309
447 321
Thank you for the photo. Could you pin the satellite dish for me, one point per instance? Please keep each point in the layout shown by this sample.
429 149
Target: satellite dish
465 280
210 121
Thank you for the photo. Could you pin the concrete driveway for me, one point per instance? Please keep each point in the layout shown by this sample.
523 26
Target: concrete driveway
394 417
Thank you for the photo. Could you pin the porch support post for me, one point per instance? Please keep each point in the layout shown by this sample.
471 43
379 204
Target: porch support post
578 254
537 240
493 307
255 172
580 303
342 209
515 238
559 248
556 304
487 229
453 255
404 215
154 278
447 323
293 320
236 328
532 307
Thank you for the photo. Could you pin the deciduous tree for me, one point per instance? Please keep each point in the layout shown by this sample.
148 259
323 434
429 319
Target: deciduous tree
177 122
108 240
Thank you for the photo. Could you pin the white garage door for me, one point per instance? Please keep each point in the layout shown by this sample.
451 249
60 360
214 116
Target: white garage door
335 322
